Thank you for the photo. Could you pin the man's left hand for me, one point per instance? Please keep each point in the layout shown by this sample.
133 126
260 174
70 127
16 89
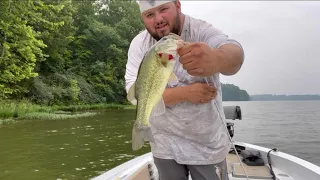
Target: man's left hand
198 59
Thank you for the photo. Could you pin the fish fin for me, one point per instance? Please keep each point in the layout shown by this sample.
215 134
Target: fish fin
159 109
173 77
131 96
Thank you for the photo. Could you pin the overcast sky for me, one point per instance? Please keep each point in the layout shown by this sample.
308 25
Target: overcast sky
281 42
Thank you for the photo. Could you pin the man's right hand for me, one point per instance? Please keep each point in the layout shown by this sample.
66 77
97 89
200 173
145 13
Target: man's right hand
199 93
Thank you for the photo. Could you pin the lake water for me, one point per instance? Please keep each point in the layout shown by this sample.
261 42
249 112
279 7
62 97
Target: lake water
85 147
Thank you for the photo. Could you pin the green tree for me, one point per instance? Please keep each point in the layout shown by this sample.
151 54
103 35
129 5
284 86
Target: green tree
57 32
101 44
20 49
64 52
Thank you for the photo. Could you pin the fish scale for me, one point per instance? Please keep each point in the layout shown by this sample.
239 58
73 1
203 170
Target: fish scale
153 93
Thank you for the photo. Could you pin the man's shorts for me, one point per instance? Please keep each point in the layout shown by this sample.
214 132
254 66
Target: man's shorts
169 169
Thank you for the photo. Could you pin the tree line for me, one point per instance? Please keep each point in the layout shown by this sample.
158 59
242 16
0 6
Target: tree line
67 52
232 92
275 97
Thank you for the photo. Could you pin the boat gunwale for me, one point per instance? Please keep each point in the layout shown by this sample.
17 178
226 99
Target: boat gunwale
294 159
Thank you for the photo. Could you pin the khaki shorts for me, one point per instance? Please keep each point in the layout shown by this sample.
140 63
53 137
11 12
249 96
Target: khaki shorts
169 169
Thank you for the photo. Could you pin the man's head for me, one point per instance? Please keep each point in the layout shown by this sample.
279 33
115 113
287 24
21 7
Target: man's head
161 17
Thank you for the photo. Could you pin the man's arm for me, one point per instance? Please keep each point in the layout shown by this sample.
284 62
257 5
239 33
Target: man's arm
231 58
173 95
195 93
215 53
135 56
229 51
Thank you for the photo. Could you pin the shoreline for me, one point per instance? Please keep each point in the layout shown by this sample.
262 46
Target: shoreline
13 111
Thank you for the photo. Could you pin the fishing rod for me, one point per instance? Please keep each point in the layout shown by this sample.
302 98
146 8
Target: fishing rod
215 102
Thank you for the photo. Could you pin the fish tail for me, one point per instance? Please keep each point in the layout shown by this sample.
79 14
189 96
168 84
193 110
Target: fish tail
147 134
140 134
137 137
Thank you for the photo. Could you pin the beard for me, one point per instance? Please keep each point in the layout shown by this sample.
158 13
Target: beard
175 28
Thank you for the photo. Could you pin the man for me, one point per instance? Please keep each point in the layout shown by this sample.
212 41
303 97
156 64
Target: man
190 136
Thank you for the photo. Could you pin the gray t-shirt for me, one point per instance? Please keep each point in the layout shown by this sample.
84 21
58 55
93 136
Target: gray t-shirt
189 133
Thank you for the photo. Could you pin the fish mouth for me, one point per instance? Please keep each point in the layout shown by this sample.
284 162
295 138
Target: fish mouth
171 52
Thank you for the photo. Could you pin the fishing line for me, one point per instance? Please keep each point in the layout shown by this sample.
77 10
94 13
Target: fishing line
215 102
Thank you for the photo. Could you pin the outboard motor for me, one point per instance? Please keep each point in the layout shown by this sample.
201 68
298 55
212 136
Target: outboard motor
232 112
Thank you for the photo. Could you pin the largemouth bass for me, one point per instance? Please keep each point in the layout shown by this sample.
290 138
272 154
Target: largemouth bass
155 70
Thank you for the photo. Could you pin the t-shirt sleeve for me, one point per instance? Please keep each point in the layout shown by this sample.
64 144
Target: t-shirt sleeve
215 38
135 56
